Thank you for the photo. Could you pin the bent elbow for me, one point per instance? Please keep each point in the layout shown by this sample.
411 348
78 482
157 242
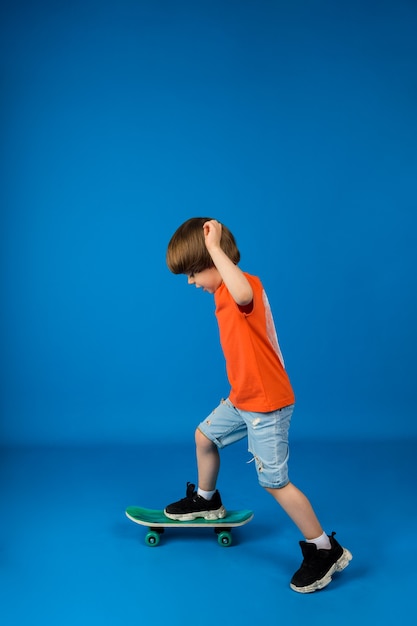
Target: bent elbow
245 297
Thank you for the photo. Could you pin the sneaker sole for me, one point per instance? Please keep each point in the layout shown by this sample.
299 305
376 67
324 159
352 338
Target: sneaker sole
340 565
189 517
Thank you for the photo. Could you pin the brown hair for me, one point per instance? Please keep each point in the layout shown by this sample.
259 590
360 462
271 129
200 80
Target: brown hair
187 252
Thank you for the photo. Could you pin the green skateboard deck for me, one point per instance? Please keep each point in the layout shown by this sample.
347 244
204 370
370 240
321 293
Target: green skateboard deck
156 522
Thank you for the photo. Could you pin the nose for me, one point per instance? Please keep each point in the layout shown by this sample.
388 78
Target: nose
191 280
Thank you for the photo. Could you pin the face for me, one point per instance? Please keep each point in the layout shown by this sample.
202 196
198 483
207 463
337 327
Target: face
209 280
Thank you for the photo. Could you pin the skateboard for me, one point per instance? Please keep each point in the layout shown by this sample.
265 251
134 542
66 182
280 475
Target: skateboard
156 522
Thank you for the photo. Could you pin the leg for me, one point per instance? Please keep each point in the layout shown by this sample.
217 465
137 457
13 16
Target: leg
268 438
224 426
319 565
299 509
323 555
195 505
208 461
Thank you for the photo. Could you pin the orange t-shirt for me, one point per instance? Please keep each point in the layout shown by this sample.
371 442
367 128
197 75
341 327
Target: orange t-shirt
254 363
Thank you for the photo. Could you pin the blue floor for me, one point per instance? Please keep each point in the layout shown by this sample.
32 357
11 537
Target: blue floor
69 556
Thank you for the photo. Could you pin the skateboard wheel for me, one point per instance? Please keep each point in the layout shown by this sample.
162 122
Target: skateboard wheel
225 539
152 539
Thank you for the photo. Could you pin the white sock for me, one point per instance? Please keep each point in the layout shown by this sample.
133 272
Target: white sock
322 542
207 495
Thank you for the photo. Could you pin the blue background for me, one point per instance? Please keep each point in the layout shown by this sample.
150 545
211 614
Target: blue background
294 123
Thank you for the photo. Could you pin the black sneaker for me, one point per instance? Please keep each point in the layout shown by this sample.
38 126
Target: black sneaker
193 506
318 566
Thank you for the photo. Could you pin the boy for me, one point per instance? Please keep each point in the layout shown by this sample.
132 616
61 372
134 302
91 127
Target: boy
261 399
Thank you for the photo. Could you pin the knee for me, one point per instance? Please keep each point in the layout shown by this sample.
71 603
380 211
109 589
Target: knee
202 442
276 492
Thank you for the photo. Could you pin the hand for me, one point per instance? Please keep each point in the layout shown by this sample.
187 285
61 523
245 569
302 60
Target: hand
212 234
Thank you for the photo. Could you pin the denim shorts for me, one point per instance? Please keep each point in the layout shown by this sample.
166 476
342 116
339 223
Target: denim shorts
267 438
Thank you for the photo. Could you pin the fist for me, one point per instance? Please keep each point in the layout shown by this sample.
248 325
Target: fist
212 233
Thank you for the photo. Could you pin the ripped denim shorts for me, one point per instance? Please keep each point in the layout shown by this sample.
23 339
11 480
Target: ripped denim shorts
267 435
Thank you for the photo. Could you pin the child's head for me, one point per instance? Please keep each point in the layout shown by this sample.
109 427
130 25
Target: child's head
187 252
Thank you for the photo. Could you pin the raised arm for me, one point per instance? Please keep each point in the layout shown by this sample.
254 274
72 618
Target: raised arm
232 276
